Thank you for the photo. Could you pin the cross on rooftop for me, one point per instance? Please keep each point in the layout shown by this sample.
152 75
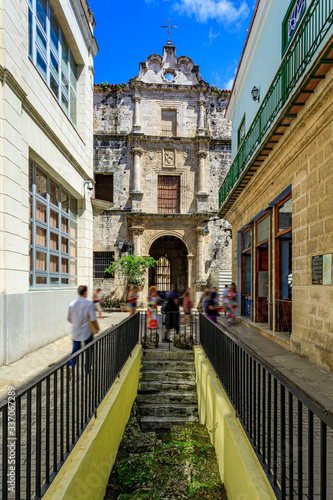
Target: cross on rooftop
169 28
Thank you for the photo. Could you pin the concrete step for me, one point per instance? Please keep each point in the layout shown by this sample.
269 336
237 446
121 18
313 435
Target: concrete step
167 397
149 424
164 354
169 410
171 375
156 386
167 365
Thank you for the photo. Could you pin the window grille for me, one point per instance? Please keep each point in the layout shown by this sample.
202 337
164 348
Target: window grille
102 260
162 274
169 123
169 193
52 231
50 52
104 187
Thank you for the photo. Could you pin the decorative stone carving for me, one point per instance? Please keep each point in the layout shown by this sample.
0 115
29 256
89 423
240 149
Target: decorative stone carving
169 158
151 155
187 154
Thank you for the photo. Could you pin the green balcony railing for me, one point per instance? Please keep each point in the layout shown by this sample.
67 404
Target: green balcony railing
314 27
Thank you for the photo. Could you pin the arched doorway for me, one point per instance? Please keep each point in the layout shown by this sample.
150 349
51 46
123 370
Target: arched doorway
171 254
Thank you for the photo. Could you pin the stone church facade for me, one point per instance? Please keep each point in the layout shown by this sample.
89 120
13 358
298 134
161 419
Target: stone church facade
162 147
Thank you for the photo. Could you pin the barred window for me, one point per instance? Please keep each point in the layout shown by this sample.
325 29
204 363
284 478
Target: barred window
102 260
169 193
50 52
52 231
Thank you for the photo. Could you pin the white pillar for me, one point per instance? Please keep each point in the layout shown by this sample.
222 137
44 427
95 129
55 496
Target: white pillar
201 121
136 117
189 270
137 152
137 248
201 171
200 256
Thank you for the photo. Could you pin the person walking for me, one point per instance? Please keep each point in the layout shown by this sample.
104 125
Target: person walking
225 295
131 299
212 308
153 300
172 312
187 306
97 304
80 312
232 303
217 297
205 301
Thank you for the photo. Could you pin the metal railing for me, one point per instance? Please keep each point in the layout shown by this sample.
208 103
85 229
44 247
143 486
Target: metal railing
306 41
291 436
283 314
41 425
182 332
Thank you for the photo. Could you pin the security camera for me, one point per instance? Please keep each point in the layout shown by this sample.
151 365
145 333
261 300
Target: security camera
89 185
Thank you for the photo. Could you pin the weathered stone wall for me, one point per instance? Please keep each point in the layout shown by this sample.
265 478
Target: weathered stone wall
303 158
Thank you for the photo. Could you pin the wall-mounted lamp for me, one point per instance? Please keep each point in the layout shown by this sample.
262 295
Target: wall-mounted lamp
206 230
217 245
124 246
228 230
89 185
255 93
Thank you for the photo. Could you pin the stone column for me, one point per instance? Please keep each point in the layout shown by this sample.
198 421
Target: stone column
137 243
189 270
137 152
201 121
136 229
201 171
200 255
136 115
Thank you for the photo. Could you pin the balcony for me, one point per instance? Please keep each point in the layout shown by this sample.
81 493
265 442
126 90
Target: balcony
286 96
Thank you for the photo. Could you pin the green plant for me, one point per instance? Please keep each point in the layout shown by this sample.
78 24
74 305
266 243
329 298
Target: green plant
131 269
104 85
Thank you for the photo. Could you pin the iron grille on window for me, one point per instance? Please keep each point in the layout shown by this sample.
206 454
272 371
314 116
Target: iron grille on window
169 123
169 194
102 260
162 274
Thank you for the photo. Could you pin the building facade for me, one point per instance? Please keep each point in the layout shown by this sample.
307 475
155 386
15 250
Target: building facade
278 192
46 71
161 149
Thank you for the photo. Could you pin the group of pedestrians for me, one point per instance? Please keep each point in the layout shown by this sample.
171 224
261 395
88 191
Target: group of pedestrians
211 307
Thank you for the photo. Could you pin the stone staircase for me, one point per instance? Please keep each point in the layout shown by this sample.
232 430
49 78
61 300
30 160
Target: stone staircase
167 390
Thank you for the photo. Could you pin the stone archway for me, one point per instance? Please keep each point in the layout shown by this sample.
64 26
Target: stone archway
175 254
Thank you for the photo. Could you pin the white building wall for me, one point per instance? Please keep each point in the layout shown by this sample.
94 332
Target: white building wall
33 125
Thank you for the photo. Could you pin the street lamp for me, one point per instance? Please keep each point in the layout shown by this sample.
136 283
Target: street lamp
255 93
206 230
120 245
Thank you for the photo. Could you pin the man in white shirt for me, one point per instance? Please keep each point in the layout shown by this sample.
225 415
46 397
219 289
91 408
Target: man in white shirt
80 312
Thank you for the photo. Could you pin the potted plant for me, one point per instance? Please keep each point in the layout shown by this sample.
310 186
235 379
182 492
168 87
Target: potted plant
130 270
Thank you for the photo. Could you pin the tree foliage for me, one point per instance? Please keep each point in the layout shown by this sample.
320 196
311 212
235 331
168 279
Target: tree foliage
131 269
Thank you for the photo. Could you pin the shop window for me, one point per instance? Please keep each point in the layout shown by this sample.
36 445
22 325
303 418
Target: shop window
262 261
102 260
246 273
104 187
168 194
283 267
169 123
49 241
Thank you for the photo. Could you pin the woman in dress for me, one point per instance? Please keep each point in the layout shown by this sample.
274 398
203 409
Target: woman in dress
153 300
131 299
97 304
232 303
187 306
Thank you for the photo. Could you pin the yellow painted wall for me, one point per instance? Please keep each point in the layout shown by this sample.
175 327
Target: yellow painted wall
241 472
85 474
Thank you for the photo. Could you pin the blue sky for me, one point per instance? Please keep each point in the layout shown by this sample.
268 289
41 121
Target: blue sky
211 32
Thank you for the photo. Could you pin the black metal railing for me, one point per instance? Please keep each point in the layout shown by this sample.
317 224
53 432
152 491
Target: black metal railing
41 424
283 312
181 331
292 437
